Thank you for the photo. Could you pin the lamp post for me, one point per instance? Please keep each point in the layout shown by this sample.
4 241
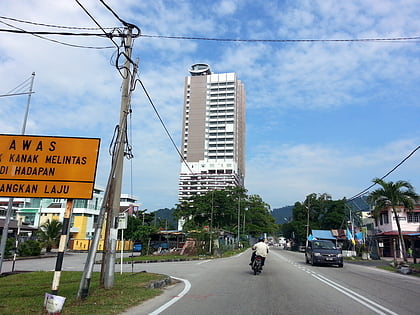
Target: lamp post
307 225
239 217
211 222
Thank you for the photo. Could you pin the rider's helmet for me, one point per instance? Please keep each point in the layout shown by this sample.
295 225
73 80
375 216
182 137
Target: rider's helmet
261 239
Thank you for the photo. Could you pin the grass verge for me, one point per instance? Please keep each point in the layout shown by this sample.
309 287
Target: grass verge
415 269
24 293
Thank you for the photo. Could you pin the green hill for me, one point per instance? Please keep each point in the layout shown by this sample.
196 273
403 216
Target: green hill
282 215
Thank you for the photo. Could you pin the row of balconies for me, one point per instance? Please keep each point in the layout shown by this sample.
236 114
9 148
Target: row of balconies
221 110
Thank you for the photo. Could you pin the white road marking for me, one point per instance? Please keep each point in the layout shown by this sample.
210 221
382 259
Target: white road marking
355 296
175 299
377 308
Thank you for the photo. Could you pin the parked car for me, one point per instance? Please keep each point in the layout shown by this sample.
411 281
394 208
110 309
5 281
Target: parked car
320 252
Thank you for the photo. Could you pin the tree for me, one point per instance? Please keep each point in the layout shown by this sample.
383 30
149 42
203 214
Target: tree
49 234
393 195
317 212
258 219
219 209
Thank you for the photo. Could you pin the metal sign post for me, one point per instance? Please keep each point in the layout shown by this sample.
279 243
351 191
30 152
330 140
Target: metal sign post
122 225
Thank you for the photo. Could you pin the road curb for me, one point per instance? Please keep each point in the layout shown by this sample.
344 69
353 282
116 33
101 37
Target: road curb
157 284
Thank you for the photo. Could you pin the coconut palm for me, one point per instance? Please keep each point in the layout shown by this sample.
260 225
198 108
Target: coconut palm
49 234
393 195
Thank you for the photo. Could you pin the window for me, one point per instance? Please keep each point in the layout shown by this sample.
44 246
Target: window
80 203
384 218
413 217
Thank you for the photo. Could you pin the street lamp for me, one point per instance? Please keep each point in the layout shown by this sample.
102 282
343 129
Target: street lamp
307 224
239 217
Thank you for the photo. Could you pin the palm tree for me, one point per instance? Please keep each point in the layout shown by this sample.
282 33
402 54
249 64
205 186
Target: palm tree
49 234
400 193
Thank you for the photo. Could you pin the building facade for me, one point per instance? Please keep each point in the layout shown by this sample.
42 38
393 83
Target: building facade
34 212
213 132
386 231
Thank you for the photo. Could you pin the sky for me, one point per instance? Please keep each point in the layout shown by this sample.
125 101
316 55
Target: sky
322 116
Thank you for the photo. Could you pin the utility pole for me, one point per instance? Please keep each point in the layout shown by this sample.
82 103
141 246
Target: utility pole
239 218
10 205
111 203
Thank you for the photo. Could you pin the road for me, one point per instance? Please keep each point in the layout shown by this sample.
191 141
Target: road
286 286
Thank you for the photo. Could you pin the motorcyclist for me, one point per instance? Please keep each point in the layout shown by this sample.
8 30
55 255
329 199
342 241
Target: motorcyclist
261 249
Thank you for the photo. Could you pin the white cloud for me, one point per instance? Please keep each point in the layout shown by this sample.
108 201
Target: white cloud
225 7
77 91
285 174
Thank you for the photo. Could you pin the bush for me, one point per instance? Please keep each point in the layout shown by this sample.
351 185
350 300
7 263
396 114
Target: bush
10 244
29 248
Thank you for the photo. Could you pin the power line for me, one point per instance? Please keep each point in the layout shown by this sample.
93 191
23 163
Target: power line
54 26
395 39
164 126
127 25
36 34
21 31
398 165
93 19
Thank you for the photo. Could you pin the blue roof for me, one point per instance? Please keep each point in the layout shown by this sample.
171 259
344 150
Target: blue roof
323 234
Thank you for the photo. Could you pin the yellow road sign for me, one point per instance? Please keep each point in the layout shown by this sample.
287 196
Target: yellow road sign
55 167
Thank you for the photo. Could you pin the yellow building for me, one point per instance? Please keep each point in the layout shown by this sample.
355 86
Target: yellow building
84 217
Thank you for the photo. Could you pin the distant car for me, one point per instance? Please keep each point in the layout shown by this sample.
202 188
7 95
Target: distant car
323 252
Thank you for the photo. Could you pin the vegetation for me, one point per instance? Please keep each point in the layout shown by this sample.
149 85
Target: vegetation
10 244
29 248
49 234
323 213
139 229
394 267
219 209
393 195
24 293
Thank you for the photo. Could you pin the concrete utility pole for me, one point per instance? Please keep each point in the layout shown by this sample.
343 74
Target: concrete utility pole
10 205
111 203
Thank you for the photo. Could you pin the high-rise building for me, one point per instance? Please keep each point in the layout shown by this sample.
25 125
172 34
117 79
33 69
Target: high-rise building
213 133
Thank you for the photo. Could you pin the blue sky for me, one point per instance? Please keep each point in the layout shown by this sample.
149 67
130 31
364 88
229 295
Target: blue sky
322 117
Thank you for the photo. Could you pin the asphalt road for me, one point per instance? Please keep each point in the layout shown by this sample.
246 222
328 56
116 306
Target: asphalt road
286 286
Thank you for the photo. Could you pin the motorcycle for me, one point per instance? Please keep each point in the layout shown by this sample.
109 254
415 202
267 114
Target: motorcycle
256 265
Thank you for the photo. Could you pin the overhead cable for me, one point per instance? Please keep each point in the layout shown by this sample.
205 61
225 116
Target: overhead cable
121 20
53 25
110 36
36 34
395 39
398 165
93 19
164 126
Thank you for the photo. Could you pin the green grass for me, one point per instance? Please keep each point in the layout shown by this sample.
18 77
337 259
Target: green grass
24 293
